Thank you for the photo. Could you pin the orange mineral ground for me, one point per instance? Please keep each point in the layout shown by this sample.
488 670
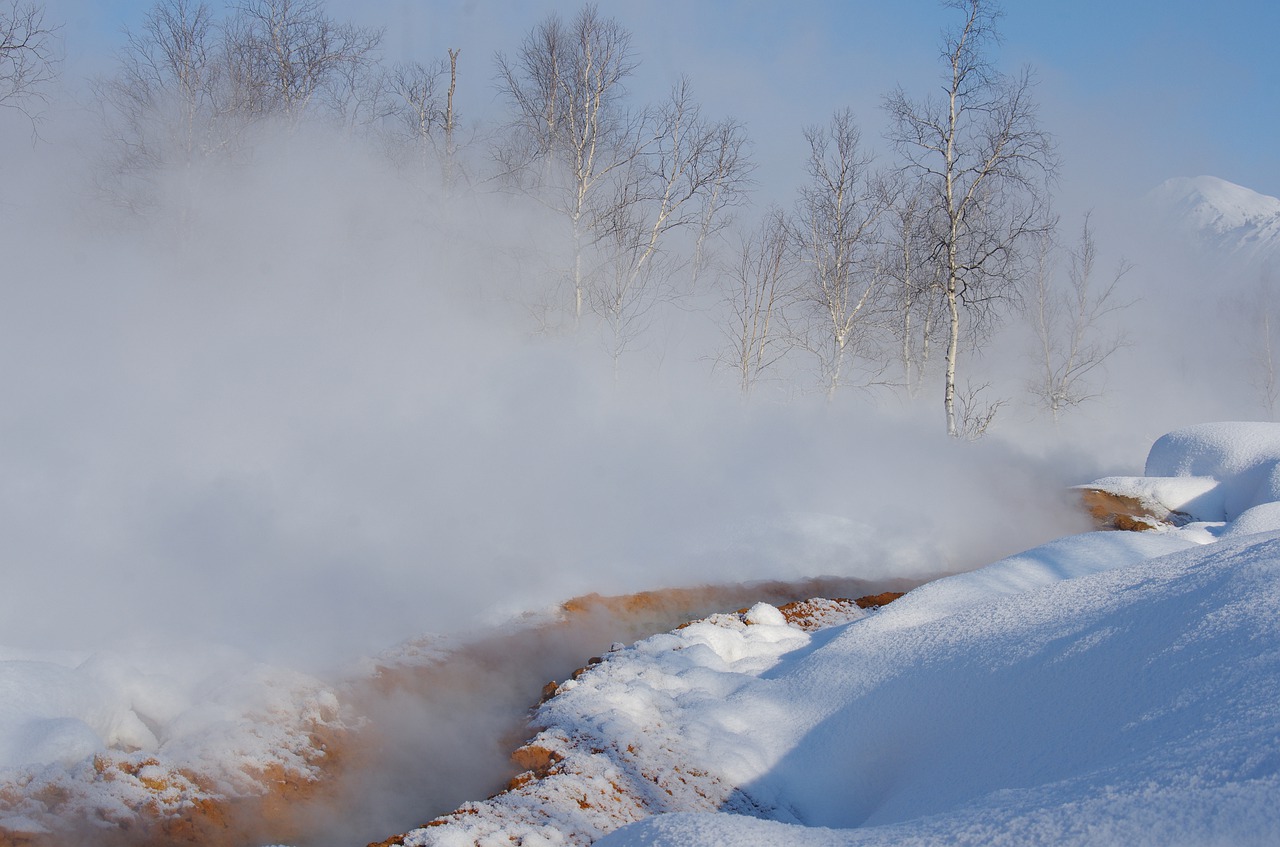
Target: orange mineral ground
426 727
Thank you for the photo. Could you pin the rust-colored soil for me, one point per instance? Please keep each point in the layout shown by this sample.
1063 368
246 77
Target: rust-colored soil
502 673
533 762
1118 511
182 808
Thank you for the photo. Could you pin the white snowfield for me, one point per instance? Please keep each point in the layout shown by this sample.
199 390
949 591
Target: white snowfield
1103 689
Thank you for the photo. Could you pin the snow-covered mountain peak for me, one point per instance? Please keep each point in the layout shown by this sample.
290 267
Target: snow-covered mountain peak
1232 219
1216 204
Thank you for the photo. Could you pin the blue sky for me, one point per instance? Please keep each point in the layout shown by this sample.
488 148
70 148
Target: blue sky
1136 91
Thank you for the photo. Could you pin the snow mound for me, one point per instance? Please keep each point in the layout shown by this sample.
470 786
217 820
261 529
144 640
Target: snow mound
1243 457
1209 473
1127 706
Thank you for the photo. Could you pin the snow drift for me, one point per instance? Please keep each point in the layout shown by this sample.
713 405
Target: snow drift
1106 688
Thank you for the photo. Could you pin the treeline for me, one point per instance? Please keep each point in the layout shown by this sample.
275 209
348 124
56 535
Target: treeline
876 275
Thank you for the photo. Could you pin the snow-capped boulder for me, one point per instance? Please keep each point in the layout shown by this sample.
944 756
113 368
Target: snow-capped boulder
1244 457
1213 472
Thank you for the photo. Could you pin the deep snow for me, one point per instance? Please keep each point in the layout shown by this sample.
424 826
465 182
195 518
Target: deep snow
1105 688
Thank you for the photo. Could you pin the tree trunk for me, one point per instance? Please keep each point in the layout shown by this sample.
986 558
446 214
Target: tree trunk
449 148
953 347
577 271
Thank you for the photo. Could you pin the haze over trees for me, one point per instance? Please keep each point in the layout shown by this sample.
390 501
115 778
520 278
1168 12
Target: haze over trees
890 269
1073 341
625 177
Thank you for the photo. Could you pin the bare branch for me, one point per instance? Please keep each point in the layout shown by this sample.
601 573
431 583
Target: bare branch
758 287
27 62
834 232
1073 341
981 156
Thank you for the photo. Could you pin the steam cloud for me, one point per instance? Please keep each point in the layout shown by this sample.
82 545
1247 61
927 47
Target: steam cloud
313 420
303 411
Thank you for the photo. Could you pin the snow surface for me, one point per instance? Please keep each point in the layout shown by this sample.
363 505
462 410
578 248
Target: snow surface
1106 688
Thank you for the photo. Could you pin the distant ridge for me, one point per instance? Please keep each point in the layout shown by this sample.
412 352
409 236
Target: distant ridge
1237 222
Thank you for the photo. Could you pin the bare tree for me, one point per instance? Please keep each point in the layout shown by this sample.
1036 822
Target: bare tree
571 133
665 189
913 274
727 160
625 180
26 54
165 108
189 88
987 165
834 233
417 110
974 415
167 85
1262 341
1072 342
631 282
284 54
451 122
757 289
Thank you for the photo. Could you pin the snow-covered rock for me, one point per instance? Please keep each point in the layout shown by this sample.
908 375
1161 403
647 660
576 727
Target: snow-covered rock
1209 473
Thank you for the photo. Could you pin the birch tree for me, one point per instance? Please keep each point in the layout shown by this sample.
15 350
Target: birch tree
26 54
678 181
726 159
1073 339
834 232
282 55
165 108
757 288
987 165
423 112
190 88
571 133
626 180
913 275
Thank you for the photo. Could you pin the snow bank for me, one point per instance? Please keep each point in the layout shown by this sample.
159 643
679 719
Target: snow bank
1131 706
613 743
49 713
1106 688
